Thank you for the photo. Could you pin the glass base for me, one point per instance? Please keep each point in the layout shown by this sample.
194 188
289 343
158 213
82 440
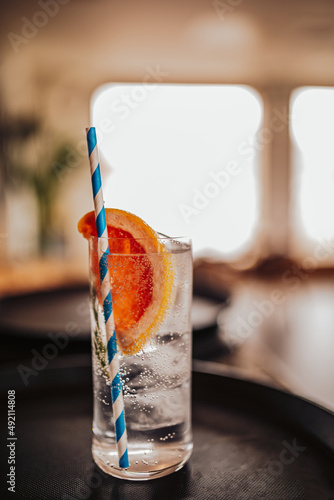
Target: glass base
165 461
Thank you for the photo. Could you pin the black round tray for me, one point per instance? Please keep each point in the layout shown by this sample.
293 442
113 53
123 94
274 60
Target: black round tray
250 442
36 314
49 311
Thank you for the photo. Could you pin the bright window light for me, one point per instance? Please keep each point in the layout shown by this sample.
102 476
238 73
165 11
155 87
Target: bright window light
312 128
184 158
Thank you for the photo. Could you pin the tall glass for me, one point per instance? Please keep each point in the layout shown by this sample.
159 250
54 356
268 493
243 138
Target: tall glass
156 380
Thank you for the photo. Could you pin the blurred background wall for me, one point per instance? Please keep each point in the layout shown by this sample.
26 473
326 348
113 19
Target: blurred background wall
55 53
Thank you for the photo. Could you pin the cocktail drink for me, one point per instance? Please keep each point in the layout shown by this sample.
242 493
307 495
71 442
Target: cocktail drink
151 283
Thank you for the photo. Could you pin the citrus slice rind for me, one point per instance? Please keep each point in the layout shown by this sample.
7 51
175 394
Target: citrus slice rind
141 276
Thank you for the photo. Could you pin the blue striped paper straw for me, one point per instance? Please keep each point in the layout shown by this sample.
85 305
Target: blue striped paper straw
103 248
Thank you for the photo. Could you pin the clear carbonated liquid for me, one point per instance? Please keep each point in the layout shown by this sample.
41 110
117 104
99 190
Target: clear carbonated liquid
156 389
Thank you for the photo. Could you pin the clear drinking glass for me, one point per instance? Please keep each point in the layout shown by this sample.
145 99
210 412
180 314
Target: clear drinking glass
156 380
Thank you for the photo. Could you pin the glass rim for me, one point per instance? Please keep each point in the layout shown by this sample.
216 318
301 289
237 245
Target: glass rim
143 238
161 237
150 245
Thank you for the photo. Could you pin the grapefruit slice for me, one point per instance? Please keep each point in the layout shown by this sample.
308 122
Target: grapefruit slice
141 276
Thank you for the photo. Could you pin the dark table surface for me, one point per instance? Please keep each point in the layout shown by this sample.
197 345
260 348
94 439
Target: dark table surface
250 441
241 427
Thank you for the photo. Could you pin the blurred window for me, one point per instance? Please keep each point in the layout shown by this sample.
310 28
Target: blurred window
184 158
312 126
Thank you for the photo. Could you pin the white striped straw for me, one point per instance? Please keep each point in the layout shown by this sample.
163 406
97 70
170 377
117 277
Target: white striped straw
103 249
